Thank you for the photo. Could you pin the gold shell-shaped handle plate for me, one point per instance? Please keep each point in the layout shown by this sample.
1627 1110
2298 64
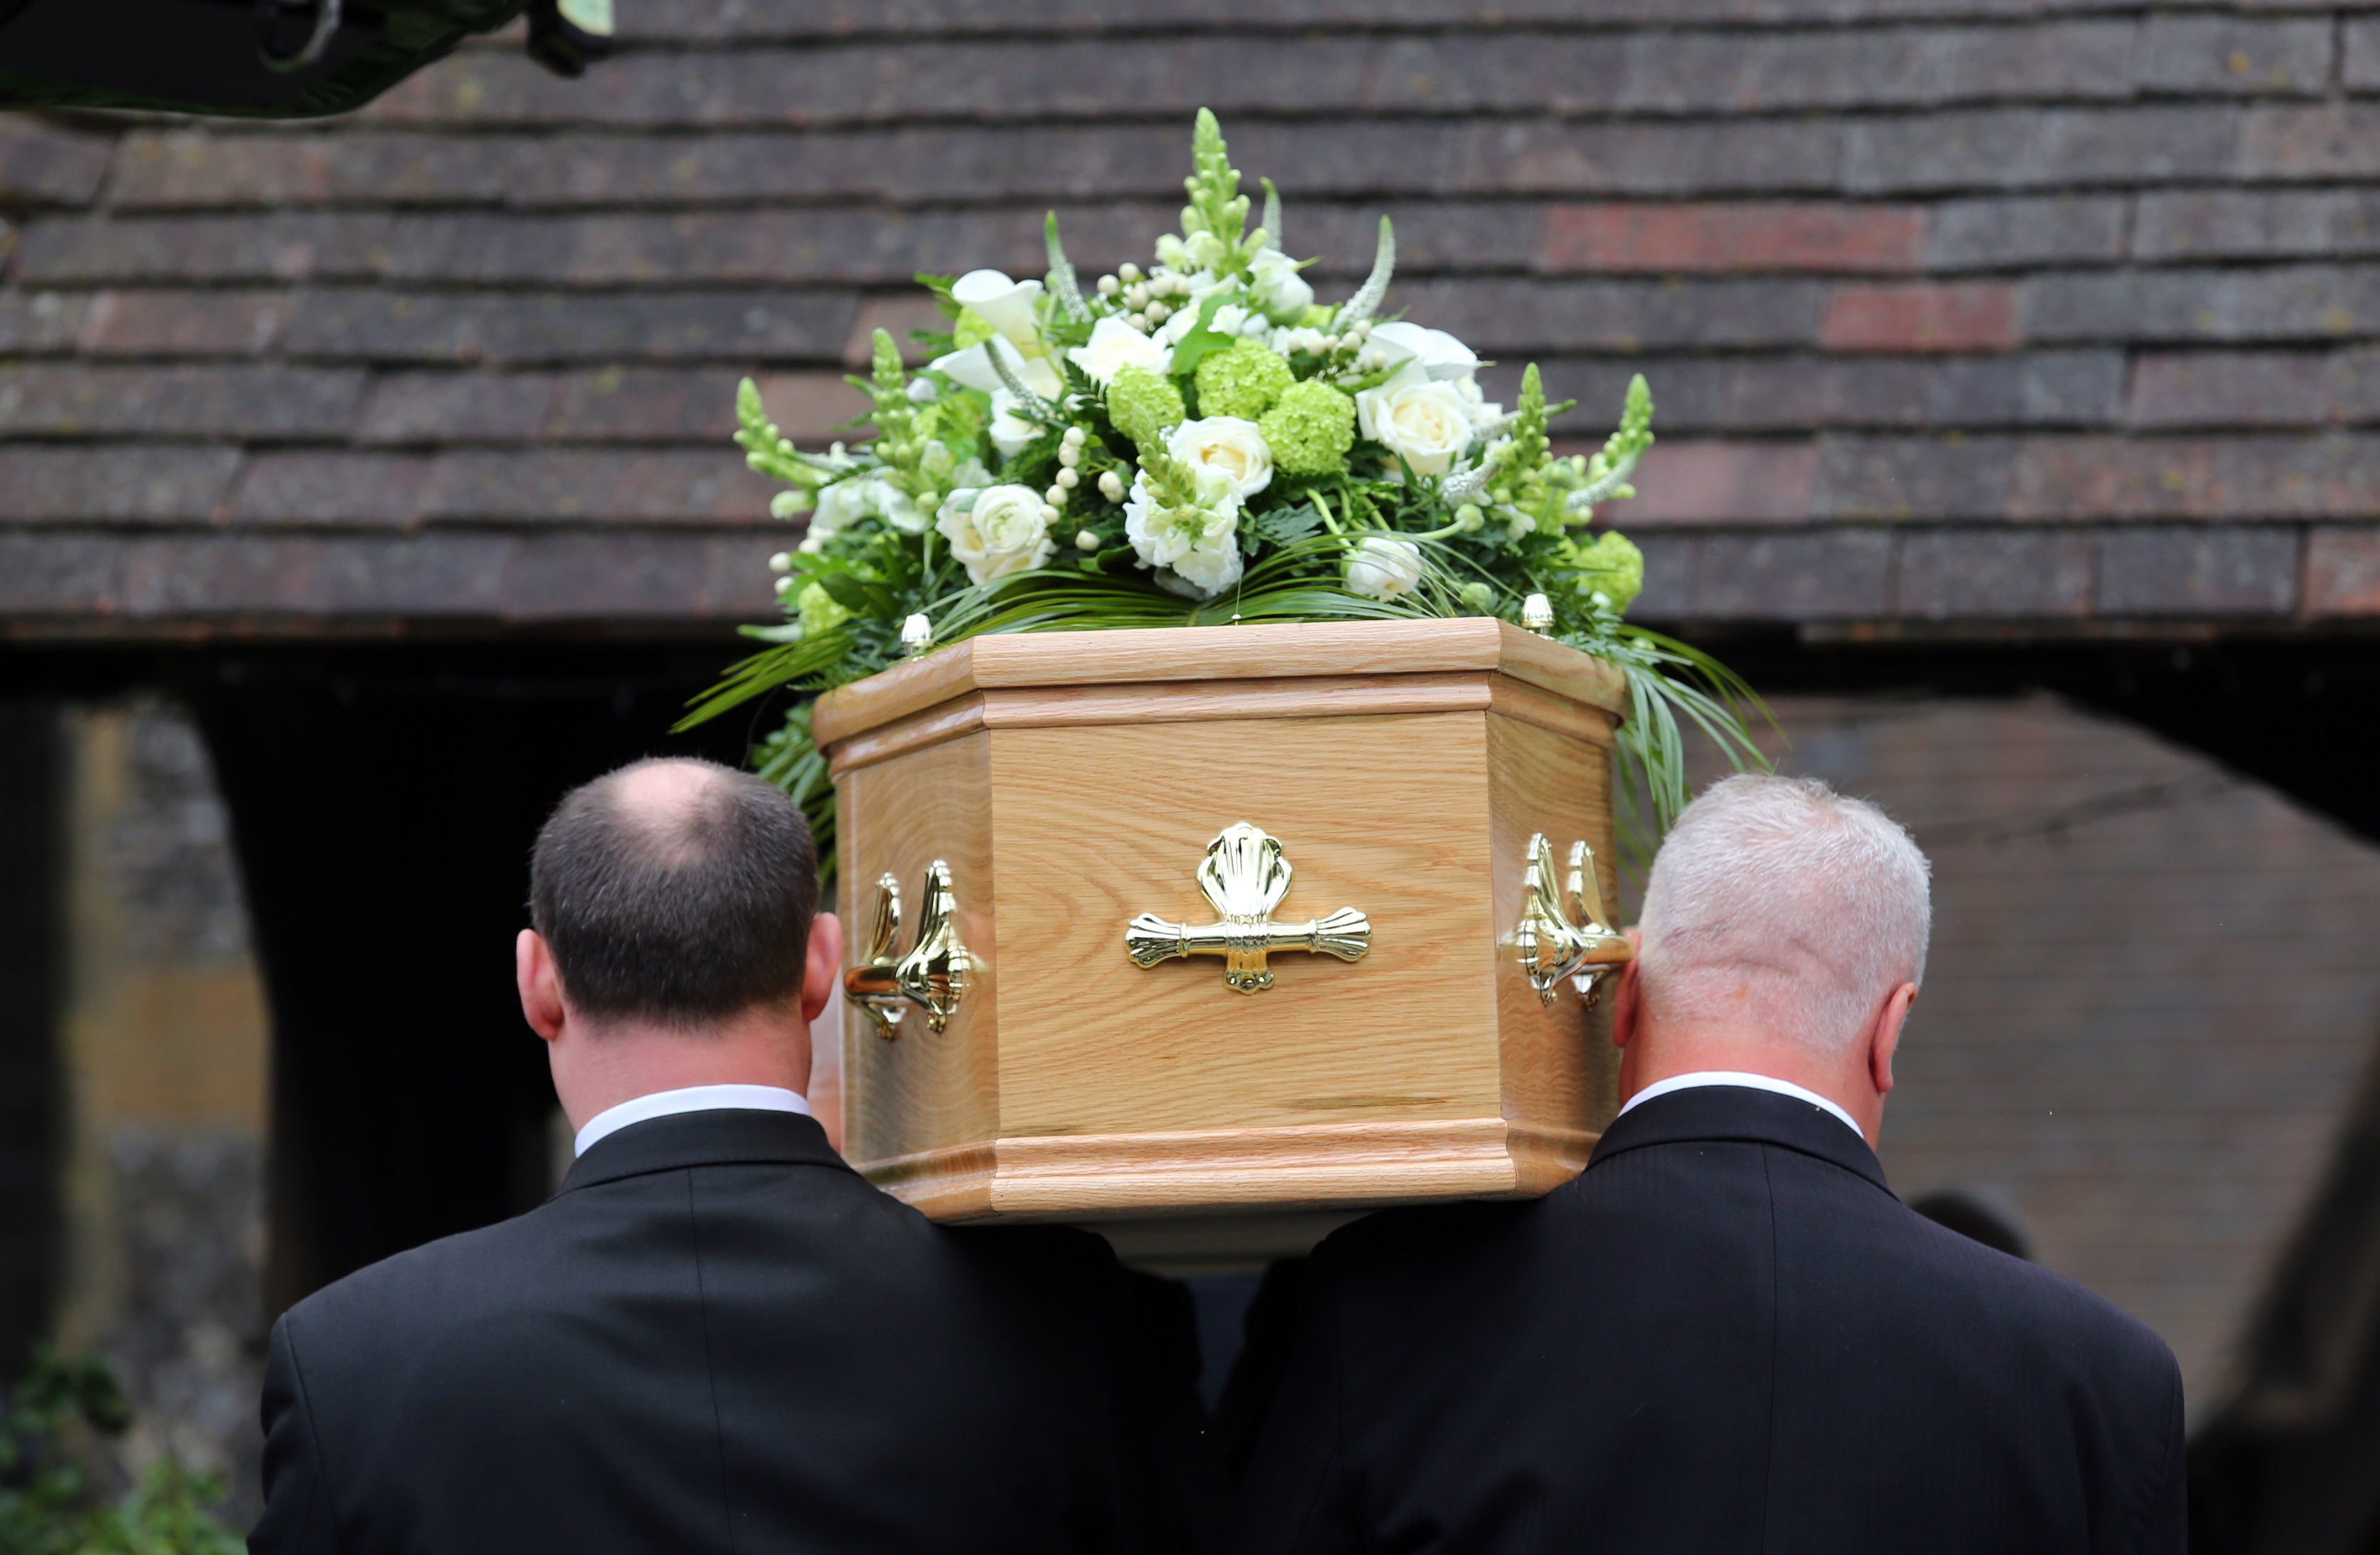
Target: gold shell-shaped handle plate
1243 875
933 976
1556 942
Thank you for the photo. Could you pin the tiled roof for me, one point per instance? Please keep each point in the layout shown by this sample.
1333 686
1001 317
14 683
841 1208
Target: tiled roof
1973 312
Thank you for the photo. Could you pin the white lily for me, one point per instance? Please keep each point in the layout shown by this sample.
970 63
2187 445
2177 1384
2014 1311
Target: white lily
1440 355
972 368
1005 305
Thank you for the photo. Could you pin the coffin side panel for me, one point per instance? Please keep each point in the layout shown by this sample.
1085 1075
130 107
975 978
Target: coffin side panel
1561 1071
1387 814
927 1090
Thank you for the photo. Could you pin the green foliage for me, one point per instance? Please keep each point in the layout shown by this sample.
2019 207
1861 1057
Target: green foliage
1244 380
1191 351
47 1503
788 758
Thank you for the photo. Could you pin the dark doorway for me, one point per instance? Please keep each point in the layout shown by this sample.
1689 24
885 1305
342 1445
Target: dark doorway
383 802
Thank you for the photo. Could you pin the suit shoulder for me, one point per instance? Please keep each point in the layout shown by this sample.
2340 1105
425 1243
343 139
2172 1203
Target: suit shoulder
437 1281
2085 1325
1035 1255
1422 1236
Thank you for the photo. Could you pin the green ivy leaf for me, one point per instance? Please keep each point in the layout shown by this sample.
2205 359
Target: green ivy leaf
1196 346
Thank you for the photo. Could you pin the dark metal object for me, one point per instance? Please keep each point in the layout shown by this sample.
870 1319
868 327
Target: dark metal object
566 38
254 58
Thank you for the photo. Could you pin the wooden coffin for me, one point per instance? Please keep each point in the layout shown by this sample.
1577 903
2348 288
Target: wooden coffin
1071 782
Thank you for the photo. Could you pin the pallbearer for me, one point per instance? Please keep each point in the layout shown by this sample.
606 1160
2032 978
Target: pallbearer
1726 1335
716 1336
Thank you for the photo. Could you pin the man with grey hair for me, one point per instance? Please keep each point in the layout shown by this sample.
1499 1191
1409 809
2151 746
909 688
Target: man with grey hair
1726 1334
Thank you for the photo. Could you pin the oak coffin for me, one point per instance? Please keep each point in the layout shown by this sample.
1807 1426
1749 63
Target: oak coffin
1072 782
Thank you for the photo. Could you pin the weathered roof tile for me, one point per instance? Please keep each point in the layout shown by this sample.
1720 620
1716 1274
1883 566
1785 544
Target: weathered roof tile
1938 270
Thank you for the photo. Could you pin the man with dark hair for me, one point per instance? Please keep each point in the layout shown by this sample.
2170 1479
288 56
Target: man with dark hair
716 1336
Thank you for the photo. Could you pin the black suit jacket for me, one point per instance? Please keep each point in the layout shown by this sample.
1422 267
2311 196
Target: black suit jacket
718 1337
1725 1335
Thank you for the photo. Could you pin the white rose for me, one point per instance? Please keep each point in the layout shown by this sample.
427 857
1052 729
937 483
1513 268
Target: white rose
1005 305
1003 530
972 368
1275 287
1199 545
1115 346
1427 423
1227 443
1440 355
1382 569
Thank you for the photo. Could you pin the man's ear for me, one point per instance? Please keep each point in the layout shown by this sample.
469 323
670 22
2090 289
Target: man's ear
1624 997
1886 1039
541 984
823 966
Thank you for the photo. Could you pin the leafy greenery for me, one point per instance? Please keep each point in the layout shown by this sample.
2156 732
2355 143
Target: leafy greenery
48 1504
1196 445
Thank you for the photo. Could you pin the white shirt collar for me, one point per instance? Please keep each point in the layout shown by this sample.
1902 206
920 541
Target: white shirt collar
693 1099
1739 1077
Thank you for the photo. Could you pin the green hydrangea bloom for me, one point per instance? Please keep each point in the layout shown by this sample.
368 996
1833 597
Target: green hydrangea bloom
1144 406
1611 563
971 329
1309 429
1242 380
1317 316
818 611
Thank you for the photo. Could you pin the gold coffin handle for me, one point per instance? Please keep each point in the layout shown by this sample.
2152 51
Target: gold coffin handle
933 976
1242 877
1554 942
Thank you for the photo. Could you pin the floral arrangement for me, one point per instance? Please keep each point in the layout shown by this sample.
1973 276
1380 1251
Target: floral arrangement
1198 442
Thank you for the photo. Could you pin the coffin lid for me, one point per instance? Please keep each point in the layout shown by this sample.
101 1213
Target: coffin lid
1223 653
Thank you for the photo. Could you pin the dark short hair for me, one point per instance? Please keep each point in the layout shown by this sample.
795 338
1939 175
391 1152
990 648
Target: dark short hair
684 913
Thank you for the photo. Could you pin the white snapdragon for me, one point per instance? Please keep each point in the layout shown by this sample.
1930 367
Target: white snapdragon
1114 346
996 531
838 507
1226 443
893 504
1009 431
1383 569
1427 423
1485 412
856 497
1276 288
1007 305
1196 548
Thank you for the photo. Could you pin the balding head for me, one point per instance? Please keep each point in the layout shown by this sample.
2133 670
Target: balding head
1780 905
674 891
